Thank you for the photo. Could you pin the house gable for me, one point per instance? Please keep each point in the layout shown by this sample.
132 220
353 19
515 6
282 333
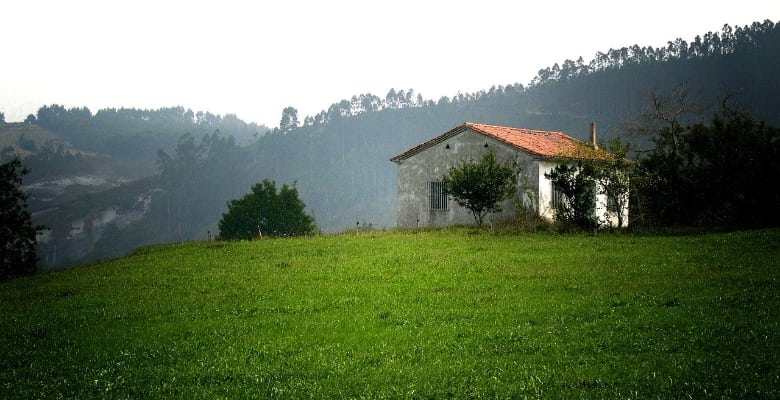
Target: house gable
421 167
536 151
535 142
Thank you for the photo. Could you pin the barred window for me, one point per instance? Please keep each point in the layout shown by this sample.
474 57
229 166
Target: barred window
557 197
438 196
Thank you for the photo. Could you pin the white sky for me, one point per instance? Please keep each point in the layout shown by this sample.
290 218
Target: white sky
253 58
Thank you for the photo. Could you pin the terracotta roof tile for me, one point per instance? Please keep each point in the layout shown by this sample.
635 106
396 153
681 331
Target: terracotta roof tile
537 142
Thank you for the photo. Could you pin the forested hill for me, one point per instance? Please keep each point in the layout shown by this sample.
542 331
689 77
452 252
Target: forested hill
738 61
338 159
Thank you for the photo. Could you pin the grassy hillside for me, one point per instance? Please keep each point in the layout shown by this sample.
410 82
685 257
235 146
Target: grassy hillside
457 313
25 139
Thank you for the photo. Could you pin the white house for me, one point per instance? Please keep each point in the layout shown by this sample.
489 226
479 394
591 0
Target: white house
422 200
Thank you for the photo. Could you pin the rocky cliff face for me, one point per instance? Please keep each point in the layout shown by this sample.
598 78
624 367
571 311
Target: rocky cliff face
74 226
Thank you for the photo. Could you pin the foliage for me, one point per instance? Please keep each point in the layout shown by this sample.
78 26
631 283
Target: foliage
17 233
613 177
289 120
436 314
728 41
117 131
336 156
576 186
263 211
588 172
197 180
719 174
482 186
53 156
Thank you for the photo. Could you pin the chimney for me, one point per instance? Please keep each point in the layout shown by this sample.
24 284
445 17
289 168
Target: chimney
593 135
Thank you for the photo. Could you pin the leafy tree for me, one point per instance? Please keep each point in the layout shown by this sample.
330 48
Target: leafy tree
17 234
735 162
268 212
482 186
613 175
718 174
593 171
576 184
2 118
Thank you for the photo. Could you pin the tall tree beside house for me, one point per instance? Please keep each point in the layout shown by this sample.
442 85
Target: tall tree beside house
574 200
17 233
482 186
722 173
595 172
613 174
264 211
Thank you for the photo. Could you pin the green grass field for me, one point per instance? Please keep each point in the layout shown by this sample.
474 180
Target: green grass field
437 314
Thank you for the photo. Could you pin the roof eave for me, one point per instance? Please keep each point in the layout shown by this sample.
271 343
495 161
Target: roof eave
430 143
476 128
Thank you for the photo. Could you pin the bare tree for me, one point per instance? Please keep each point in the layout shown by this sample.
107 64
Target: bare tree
662 120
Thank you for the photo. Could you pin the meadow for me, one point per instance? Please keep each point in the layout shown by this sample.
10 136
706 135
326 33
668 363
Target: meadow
457 313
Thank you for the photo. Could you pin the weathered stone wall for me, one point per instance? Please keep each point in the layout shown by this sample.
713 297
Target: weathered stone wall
432 164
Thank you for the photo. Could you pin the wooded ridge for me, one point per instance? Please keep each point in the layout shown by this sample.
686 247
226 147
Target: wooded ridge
165 175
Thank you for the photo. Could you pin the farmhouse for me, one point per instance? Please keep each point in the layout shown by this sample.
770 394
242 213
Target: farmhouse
422 198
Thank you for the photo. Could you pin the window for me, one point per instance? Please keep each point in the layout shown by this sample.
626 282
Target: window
437 196
557 197
612 203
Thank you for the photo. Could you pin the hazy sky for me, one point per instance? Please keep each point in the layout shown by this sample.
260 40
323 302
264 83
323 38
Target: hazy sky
253 58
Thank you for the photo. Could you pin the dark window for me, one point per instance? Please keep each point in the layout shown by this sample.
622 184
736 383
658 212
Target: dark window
438 196
612 204
557 197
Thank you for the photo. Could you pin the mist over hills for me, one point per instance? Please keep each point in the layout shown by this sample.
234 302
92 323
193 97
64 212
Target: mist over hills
107 183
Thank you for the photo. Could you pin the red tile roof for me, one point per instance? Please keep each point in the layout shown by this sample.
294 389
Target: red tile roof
536 142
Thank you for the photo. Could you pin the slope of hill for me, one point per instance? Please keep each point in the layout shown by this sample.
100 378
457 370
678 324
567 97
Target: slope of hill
338 159
444 314
352 144
25 139
61 171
